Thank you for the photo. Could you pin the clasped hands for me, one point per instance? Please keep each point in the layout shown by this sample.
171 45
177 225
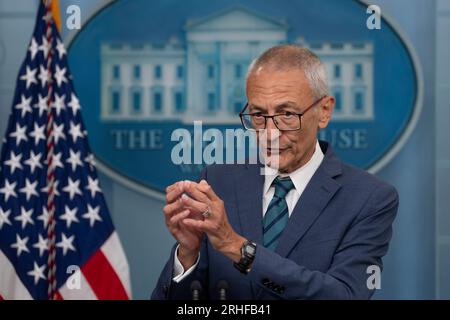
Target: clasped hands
186 201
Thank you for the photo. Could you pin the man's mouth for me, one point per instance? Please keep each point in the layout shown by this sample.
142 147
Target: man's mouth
273 151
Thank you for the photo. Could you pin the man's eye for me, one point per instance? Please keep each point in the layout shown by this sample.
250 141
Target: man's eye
289 114
258 115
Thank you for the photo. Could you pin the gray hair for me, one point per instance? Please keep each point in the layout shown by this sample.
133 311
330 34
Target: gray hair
286 57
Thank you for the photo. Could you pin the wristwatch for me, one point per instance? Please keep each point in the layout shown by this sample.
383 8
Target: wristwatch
248 251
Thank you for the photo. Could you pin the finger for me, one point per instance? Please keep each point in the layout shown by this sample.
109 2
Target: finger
196 215
204 187
175 192
193 204
171 187
172 208
196 224
174 186
193 191
178 217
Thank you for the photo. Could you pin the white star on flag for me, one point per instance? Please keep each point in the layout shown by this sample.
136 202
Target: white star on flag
29 76
60 48
72 188
70 215
56 161
58 132
41 245
74 159
9 190
44 46
37 272
33 48
42 105
20 245
25 217
75 131
44 217
4 217
19 134
34 161
92 214
24 105
66 243
14 162
60 75
93 186
74 104
58 104
44 75
90 159
30 189
38 133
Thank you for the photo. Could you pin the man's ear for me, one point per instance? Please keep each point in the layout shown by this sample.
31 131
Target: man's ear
325 110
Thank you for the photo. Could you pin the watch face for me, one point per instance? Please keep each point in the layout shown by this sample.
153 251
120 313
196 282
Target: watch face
250 249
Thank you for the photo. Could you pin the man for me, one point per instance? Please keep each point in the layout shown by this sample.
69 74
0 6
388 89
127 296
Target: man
310 230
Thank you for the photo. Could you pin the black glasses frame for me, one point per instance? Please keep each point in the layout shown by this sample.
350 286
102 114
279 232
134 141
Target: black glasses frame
299 115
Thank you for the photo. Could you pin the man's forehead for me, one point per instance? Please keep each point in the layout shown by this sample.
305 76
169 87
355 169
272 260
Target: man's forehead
277 105
277 89
268 82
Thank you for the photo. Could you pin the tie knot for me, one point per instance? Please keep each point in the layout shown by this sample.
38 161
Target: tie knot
282 186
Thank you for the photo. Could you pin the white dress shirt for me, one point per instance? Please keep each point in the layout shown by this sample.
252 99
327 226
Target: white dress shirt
299 177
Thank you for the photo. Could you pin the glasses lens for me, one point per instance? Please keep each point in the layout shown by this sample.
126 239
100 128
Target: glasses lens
287 121
253 122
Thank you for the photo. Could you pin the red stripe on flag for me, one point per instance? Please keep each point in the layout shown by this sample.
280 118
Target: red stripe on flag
58 296
1 298
103 279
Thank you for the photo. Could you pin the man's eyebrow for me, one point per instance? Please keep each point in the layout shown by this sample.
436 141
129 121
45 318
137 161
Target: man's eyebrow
281 106
257 108
286 104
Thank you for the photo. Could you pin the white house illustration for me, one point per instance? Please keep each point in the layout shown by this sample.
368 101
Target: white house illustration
202 77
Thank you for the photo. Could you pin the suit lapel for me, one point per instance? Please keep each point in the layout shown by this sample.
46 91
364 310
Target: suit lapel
312 202
308 208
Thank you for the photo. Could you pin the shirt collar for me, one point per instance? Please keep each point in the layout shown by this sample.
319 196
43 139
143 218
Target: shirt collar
301 174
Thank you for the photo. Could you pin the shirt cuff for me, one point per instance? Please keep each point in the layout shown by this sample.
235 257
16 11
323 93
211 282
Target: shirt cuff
178 270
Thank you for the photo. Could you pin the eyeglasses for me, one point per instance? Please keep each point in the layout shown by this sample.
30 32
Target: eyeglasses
288 121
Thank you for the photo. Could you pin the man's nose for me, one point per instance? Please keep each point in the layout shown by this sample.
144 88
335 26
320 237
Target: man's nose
270 124
271 130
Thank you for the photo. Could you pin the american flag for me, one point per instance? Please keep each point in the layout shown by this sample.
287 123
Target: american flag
57 240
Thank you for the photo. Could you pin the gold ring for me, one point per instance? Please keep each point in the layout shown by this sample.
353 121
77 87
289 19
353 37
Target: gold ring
207 213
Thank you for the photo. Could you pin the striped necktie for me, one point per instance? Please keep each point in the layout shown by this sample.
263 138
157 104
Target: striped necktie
277 215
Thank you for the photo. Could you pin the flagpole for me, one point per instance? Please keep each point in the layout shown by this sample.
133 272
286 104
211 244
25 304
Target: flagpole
51 263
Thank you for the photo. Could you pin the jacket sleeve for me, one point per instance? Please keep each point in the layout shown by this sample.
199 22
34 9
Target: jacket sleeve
364 245
167 289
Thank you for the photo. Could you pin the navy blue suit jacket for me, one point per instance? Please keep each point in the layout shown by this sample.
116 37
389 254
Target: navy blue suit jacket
341 225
